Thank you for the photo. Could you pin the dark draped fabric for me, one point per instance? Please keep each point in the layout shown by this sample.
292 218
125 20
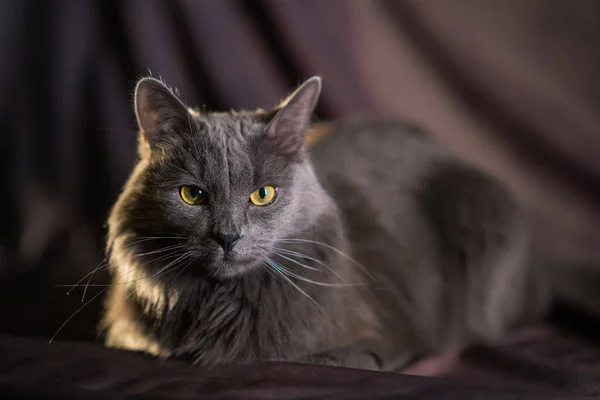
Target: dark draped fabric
512 86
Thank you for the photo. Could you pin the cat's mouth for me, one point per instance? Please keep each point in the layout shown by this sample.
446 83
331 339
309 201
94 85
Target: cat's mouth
230 264
229 258
231 267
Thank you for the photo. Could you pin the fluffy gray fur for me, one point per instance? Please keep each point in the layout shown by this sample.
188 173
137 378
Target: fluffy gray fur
380 247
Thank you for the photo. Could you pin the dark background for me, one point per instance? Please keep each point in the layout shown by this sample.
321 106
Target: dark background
513 86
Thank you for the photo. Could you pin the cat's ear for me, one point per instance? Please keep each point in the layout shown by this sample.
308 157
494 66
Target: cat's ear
286 129
158 110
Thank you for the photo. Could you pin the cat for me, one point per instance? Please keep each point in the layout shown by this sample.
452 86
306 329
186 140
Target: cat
233 241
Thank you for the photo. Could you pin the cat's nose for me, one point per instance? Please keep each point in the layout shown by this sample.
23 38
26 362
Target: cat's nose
227 240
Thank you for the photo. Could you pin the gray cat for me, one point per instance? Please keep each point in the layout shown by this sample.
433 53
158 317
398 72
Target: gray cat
233 241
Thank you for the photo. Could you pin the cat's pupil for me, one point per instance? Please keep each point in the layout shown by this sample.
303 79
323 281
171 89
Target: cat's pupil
262 192
196 193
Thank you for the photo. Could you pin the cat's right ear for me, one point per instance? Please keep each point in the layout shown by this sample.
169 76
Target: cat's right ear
159 112
293 116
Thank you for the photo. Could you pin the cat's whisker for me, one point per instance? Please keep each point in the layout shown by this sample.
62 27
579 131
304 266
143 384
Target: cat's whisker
341 253
300 255
148 238
163 257
189 263
76 285
129 243
87 284
73 286
302 278
104 262
275 268
165 269
162 250
145 238
166 256
266 268
130 294
148 277
83 285
101 265
282 255
170 266
100 332
75 313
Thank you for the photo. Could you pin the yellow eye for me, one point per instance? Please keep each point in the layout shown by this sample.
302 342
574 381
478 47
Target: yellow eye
263 196
193 195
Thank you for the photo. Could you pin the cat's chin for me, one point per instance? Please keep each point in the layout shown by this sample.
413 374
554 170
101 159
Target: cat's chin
230 273
230 269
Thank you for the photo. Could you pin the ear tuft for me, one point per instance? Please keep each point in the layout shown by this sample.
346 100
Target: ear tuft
287 128
158 109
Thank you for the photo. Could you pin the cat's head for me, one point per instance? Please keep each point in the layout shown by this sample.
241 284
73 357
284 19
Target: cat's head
212 193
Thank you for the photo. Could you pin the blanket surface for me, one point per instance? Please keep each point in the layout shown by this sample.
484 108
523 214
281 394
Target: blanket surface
542 364
513 86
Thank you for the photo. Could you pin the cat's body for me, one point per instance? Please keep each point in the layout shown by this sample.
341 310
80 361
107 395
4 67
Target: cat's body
379 246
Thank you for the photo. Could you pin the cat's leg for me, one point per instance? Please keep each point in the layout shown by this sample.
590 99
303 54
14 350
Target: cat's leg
348 357
365 354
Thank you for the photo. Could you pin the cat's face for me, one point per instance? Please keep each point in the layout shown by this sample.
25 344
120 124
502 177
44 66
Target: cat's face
214 193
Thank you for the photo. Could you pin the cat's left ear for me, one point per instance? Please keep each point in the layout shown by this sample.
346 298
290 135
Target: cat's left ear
159 112
289 124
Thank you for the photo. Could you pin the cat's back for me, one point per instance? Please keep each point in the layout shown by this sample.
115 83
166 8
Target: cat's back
382 157
431 226
393 174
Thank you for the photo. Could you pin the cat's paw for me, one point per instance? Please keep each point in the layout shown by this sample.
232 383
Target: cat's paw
344 358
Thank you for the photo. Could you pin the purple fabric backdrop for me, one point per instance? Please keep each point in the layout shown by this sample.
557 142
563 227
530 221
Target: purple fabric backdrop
511 86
